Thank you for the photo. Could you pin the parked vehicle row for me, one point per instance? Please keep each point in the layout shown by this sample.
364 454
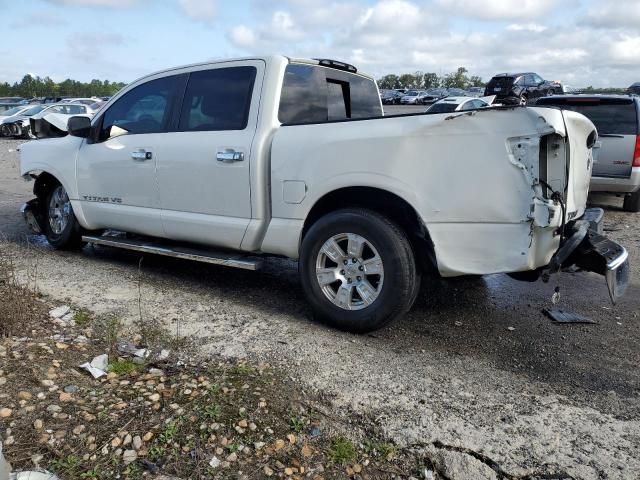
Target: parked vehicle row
420 97
458 104
21 121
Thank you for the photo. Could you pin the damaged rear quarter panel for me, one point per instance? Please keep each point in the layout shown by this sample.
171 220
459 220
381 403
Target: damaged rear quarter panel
459 172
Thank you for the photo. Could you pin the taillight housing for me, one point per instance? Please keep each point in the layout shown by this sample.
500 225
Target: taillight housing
636 153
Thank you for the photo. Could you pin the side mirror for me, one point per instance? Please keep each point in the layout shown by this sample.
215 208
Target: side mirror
79 127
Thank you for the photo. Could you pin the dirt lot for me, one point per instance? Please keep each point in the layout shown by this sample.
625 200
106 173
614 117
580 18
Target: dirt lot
474 370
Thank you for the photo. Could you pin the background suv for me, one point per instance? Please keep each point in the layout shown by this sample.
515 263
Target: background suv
520 88
616 167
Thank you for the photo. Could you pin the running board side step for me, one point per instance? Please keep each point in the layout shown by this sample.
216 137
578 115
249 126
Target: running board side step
206 256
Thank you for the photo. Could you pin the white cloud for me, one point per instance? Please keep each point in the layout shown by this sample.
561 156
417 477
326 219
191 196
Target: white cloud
90 47
531 27
498 9
626 51
200 10
398 36
242 37
614 14
96 3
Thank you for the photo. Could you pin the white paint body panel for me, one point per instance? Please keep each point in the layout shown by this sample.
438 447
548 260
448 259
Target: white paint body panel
470 177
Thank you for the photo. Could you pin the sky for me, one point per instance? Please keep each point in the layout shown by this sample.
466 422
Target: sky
580 42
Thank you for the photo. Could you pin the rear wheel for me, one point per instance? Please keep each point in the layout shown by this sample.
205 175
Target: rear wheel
358 270
61 227
632 202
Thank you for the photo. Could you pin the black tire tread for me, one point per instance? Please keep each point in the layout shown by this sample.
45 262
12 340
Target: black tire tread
632 202
71 238
405 294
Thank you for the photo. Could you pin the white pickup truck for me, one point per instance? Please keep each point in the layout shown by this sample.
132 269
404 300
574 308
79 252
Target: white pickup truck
226 161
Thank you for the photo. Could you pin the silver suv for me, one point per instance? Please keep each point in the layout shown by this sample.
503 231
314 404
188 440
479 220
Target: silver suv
617 118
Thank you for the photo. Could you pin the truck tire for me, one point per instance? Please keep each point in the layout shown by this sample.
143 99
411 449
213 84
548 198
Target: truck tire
61 227
358 271
632 202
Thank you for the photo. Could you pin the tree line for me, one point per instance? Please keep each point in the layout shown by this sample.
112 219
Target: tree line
457 79
31 86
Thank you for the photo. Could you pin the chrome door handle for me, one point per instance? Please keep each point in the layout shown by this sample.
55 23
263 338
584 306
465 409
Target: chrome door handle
141 155
230 156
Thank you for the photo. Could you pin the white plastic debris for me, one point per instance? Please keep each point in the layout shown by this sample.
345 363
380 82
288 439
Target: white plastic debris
34 476
215 462
98 366
5 468
128 348
164 354
60 311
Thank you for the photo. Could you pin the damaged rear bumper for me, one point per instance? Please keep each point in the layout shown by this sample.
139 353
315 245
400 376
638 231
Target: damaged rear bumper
589 250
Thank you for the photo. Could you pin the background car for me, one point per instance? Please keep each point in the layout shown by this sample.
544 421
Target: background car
84 101
475 91
434 94
20 125
391 97
457 104
520 88
14 111
456 92
413 97
634 89
616 168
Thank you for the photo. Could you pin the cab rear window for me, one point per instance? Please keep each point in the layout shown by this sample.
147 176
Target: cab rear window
615 116
314 94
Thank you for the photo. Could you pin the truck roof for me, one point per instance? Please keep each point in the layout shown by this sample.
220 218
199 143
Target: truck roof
269 59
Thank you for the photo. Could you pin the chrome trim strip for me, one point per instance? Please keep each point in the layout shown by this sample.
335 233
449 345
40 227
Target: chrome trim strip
619 260
204 257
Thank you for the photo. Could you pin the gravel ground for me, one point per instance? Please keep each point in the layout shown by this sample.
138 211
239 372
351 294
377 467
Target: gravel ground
474 373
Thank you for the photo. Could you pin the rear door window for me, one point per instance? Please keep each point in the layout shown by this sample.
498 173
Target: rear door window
616 117
217 99
313 94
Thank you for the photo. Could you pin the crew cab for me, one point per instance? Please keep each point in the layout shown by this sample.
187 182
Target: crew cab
227 161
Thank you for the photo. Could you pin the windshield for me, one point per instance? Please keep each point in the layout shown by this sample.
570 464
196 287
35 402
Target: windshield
33 110
442 108
12 111
411 93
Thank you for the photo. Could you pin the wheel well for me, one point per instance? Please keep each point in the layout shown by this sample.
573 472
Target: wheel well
385 203
43 185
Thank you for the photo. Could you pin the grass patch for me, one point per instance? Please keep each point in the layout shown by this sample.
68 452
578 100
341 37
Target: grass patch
341 451
122 367
212 411
377 448
298 424
242 370
66 465
82 317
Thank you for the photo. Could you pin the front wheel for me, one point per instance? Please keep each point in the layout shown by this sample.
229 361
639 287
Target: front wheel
61 227
358 271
